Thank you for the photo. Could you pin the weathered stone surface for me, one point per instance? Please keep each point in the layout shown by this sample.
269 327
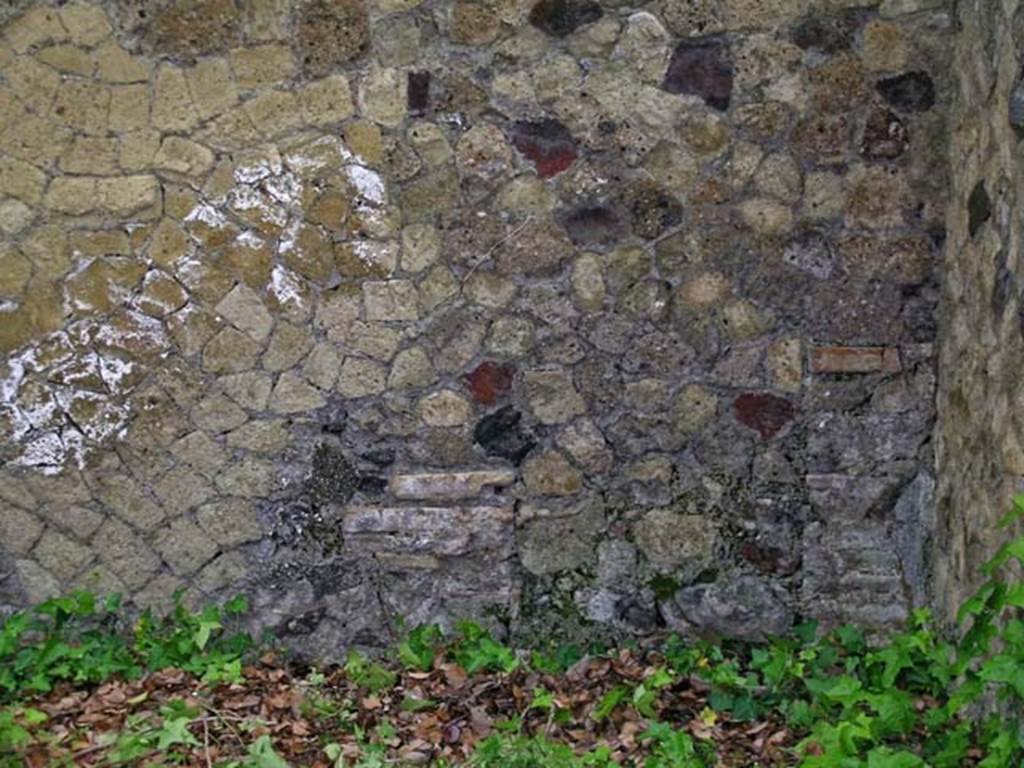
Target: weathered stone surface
676 543
744 607
703 69
553 396
329 33
262 275
501 434
910 92
854 360
563 17
547 144
550 474
449 485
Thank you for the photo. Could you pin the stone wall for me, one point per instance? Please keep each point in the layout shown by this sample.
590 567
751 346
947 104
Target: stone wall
980 435
574 316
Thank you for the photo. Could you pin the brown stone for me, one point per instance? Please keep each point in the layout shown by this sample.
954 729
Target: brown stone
195 27
329 33
855 360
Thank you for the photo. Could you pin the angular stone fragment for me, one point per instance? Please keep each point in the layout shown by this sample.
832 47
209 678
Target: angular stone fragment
444 409
293 395
550 474
702 68
563 17
391 300
909 92
182 156
244 309
489 381
361 378
329 33
546 143
743 607
766 413
828 34
449 485
854 360
652 209
195 27
553 397
676 543
597 226
501 434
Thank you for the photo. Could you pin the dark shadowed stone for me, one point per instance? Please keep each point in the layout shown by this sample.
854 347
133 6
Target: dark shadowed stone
979 208
909 92
418 93
763 412
329 33
333 478
1016 106
563 17
1002 289
382 457
489 381
372 485
704 69
828 34
652 209
501 434
593 226
333 419
885 136
546 143
744 607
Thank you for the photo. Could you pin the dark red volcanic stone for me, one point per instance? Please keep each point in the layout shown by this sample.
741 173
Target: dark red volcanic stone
489 381
547 144
702 68
763 412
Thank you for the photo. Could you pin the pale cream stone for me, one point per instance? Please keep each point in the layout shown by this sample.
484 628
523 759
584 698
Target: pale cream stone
445 409
129 108
361 378
68 58
74 195
449 485
137 150
22 180
86 24
766 217
211 86
244 309
382 96
173 109
180 155
262 65
168 243
33 83
14 216
35 140
128 194
91 155
274 112
116 65
82 105
327 101
35 26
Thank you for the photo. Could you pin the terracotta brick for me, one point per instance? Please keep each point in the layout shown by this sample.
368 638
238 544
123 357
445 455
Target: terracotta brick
855 360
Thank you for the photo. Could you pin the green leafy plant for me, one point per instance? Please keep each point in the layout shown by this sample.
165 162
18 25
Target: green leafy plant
476 651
